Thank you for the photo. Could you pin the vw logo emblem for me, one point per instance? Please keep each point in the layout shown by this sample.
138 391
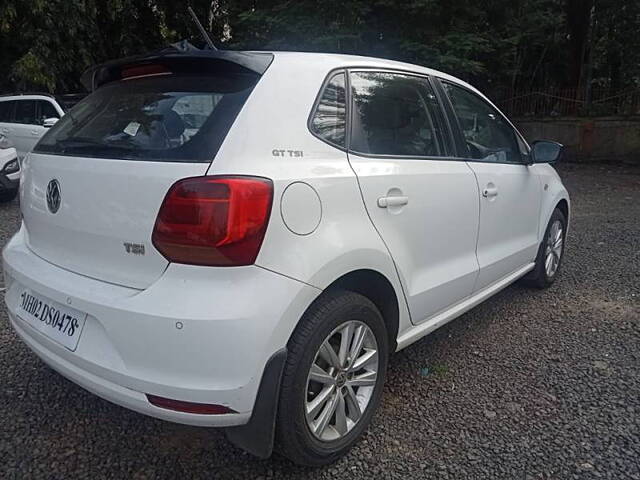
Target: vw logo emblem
53 196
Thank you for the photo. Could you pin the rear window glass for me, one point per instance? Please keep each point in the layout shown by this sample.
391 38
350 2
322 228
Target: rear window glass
169 118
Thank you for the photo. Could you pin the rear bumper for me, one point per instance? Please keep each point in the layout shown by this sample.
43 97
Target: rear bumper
231 322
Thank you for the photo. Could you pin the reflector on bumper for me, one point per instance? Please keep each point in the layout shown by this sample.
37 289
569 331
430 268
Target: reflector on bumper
189 407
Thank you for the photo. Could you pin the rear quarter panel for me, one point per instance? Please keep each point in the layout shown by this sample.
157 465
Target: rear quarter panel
270 138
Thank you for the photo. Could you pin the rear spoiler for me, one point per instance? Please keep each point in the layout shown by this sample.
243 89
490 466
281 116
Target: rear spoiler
182 57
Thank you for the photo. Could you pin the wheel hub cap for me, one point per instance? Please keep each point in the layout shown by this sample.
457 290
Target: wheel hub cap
341 381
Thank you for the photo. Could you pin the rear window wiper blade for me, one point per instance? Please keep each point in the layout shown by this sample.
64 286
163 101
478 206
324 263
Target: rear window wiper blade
87 143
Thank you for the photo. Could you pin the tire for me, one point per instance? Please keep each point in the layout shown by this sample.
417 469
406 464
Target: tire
540 276
333 315
8 195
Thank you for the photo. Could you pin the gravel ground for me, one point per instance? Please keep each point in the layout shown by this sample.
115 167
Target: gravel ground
529 385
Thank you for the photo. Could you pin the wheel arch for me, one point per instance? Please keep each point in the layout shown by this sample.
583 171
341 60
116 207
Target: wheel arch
257 436
560 201
377 288
563 206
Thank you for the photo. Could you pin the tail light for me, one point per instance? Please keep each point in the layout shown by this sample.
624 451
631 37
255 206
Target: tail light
215 221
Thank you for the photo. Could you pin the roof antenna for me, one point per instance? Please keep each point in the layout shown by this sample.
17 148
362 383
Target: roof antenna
203 32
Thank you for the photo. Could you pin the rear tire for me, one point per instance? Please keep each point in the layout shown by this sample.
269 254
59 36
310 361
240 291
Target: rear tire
8 195
550 253
311 430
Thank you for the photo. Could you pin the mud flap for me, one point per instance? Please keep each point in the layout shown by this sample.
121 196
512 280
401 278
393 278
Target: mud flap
257 436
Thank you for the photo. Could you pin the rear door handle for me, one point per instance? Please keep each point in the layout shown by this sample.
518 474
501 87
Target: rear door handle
392 201
35 132
490 191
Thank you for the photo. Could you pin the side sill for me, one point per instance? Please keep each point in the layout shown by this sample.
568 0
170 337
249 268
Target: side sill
424 328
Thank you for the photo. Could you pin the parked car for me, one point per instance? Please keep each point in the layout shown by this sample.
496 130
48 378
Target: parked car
24 118
241 239
9 170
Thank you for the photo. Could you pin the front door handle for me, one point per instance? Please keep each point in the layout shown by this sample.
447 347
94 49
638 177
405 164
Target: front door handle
392 201
35 132
490 191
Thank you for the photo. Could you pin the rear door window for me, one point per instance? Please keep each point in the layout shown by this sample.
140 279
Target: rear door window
162 118
396 115
25 112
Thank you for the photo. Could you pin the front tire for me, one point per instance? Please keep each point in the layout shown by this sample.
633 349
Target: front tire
550 253
333 378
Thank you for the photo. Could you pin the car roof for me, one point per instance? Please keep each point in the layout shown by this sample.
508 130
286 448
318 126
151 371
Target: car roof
258 61
338 60
332 61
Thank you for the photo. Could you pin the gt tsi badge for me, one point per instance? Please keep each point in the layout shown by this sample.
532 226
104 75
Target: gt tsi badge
53 196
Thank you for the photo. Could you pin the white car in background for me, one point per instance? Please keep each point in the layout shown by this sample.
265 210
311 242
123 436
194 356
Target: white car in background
9 170
241 239
25 118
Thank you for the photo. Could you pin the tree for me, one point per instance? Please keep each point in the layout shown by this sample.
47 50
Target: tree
500 45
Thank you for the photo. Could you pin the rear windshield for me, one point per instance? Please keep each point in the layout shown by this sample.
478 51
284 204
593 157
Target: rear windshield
163 118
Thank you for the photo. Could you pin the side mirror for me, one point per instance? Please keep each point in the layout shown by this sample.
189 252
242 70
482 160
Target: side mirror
545 151
49 122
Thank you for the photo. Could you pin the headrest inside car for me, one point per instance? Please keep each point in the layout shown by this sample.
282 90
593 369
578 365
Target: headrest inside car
391 111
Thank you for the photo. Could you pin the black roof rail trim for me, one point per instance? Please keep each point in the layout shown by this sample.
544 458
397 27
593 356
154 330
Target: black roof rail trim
248 62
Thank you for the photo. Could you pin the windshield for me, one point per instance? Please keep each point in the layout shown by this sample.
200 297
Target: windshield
162 118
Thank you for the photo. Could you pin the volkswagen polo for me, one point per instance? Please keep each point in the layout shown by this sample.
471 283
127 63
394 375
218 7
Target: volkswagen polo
240 239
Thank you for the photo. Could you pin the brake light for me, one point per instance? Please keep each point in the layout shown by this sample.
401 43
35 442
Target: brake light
139 71
215 221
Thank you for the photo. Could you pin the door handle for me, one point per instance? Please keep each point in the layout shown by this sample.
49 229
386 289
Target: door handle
490 191
35 132
392 201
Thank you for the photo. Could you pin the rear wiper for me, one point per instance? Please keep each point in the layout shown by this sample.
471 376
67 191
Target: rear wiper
86 143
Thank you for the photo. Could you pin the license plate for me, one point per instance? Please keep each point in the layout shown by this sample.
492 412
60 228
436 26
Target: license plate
58 322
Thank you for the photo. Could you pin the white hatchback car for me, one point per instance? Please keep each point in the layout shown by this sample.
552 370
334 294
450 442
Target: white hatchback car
25 118
240 239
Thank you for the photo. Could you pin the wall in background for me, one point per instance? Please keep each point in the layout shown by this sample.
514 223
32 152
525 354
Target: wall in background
614 139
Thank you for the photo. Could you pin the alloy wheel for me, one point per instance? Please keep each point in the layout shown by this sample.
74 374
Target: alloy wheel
341 380
553 250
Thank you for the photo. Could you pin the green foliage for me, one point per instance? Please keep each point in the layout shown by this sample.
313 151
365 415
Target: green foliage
497 44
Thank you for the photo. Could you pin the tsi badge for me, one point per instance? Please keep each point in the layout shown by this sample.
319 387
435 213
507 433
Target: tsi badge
134 248
53 196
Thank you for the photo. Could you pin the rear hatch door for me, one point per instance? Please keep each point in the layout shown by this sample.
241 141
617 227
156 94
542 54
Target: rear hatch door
94 184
